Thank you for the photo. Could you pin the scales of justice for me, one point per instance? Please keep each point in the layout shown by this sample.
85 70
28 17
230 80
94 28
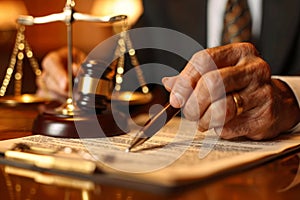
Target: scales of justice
94 92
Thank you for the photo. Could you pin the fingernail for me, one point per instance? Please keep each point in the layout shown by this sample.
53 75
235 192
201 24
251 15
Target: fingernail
177 100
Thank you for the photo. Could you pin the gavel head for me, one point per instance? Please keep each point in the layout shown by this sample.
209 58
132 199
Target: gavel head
94 85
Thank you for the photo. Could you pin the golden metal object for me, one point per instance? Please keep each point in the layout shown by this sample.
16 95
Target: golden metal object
68 16
133 98
125 43
50 179
52 162
21 50
238 103
11 100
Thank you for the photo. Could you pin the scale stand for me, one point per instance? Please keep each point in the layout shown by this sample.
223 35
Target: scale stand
59 121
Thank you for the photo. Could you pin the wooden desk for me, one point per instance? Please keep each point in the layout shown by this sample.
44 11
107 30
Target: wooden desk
263 182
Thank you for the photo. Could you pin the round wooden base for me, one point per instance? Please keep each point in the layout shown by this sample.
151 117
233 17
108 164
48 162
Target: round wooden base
85 125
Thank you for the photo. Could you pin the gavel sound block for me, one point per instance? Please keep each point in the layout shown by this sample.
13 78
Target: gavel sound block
93 116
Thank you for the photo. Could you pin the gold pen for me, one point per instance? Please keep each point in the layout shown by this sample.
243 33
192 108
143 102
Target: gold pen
52 162
153 125
46 158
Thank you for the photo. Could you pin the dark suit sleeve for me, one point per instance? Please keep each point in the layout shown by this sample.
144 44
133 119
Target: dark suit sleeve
279 41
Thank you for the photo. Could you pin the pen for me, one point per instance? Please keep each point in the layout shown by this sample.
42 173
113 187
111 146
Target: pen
153 125
52 162
46 158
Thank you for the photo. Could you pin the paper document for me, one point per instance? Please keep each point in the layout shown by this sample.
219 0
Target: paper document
178 153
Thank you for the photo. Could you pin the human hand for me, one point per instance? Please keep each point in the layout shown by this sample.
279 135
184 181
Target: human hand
206 86
53 82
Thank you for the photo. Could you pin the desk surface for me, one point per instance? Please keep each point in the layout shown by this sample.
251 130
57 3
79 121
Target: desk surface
277 179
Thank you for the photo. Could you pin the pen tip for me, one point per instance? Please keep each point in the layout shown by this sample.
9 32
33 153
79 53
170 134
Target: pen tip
127 150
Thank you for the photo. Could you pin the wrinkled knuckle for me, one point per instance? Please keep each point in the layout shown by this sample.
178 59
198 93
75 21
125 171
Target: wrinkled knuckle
211 80
198 55
205 94
195 59
183 87
191 113
248 49
265 69
202 61
202 82
262 69
187 81
218 113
